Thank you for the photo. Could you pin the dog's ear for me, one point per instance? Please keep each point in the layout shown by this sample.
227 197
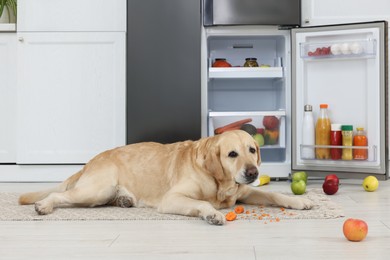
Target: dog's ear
212 163
258 153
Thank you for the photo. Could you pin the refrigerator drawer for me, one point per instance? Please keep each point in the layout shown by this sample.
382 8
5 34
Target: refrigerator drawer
271 125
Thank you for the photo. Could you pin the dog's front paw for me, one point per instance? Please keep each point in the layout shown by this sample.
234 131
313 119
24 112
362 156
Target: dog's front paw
301 203
215 218
42 208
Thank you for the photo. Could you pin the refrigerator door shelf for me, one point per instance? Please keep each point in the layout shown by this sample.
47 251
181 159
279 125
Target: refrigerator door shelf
341 49
371 152
273 138
243 72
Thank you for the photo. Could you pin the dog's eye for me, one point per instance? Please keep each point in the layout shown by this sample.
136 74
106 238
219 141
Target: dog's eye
233 154
252 150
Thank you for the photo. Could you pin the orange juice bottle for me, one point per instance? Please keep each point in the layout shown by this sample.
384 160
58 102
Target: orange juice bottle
323 133
360 140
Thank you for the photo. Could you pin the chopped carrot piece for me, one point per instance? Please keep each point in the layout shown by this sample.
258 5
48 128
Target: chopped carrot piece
239 209
230 216
247 212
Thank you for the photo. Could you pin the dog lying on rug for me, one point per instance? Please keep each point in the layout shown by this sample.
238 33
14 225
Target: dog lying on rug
192 178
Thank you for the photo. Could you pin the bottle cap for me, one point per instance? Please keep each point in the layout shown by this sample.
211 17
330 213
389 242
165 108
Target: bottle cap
308 108
335 127
347 128
359 128
323 105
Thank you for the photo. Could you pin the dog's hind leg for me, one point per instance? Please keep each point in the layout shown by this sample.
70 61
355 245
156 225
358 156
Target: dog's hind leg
123 198
78 196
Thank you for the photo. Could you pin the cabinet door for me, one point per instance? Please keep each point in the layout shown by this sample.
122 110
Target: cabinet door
71 15
325 12
7 97
71 102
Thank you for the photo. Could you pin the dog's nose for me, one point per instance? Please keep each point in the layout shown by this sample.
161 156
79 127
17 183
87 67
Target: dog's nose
251 172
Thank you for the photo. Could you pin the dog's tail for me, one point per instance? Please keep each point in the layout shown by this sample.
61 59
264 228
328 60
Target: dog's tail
32 197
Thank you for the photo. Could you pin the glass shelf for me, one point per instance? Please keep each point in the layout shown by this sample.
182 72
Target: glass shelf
245 72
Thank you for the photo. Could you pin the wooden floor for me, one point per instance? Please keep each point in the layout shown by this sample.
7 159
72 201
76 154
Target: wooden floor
293 239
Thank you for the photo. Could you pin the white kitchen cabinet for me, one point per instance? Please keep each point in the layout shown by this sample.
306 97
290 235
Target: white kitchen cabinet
71 15
71 102
71 79
325 12
7 97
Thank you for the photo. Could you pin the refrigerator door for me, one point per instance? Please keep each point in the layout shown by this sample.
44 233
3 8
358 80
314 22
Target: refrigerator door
343 66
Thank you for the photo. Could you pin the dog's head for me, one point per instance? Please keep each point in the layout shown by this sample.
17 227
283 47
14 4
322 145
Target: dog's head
233 155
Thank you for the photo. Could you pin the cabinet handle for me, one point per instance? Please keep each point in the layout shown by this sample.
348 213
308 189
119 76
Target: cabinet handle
21 39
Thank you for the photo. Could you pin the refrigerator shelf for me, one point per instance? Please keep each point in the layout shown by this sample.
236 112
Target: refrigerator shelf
245 72
371 151
338 50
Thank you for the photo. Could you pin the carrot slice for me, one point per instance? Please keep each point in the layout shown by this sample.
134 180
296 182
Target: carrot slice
230 216
239 209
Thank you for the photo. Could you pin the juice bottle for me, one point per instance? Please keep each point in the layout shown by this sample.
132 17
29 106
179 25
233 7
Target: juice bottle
323 133
360 140
335 139
347 132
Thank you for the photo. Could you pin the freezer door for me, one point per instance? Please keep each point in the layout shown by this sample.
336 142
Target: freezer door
343 66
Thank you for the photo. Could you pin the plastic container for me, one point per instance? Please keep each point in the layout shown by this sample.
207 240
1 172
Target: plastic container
308 133
323 133
336 138
347 132
360 139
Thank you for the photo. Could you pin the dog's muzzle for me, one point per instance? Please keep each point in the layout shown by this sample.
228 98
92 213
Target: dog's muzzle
251 174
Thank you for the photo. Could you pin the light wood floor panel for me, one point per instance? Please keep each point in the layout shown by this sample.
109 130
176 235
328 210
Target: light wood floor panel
253 240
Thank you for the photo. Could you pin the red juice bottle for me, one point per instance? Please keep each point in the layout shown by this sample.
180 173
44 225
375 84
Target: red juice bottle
335 139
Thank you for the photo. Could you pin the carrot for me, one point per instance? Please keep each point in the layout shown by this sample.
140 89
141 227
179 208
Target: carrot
239 209
227 129
232 126
230 216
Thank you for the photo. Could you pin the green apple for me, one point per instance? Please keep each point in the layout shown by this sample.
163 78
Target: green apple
259 139
298 187
297 176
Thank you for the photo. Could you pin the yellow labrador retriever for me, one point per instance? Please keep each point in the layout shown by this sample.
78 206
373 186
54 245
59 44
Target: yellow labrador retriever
193 178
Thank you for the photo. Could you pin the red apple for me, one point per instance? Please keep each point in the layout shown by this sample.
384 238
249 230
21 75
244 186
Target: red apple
260 131
355 229
332 177
331 186
271 122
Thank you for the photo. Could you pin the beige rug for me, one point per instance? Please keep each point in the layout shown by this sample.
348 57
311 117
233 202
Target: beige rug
324 208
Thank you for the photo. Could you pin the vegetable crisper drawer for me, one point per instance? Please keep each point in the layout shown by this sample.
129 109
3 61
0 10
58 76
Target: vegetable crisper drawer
267 127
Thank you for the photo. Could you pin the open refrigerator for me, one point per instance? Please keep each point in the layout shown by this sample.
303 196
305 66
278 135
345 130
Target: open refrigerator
293 73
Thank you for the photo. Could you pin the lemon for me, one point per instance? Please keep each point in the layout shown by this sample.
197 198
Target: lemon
370 183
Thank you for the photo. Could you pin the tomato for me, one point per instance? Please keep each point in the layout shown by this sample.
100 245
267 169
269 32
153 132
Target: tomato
221 63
